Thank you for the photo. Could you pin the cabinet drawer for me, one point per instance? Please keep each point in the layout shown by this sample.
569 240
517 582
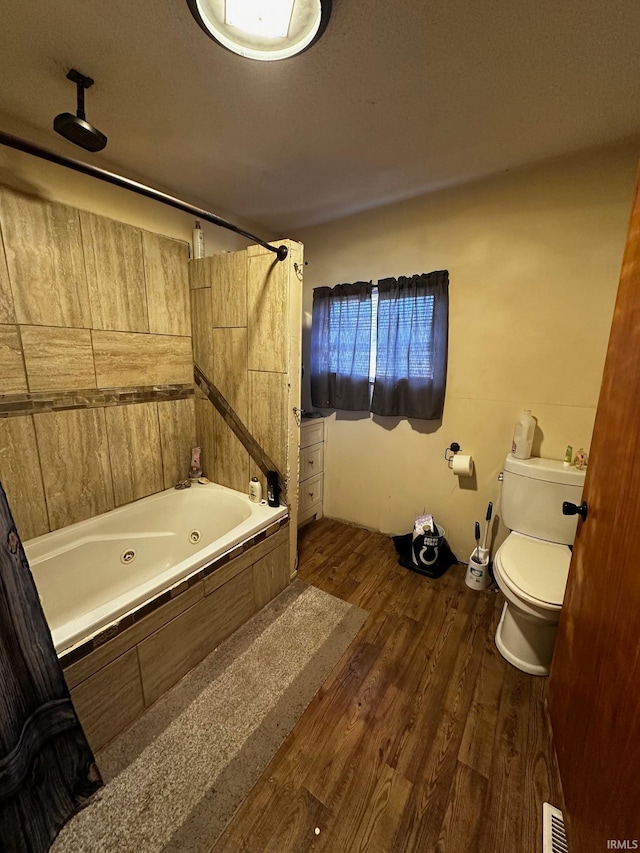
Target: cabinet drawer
310 493
311 432
311 461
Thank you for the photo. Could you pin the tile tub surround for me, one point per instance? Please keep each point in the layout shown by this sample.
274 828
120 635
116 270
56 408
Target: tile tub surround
246 321
57 468
94 314
92 309
230 417
14 405
100 571
117 678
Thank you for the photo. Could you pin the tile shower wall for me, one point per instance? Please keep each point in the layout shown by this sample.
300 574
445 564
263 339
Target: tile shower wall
94 315
246 319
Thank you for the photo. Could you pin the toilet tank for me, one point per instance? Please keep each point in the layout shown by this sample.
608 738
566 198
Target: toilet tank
533 491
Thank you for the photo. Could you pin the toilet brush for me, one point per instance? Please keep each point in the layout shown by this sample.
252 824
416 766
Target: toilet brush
486 528
477 576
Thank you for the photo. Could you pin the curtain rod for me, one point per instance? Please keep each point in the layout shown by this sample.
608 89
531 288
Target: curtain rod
7 139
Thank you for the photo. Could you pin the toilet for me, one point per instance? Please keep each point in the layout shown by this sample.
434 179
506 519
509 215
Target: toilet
532 565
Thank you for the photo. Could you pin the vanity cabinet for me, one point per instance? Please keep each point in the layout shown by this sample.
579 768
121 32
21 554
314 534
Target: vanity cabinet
311 470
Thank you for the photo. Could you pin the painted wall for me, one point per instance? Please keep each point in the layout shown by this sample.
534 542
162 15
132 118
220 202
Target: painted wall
534 259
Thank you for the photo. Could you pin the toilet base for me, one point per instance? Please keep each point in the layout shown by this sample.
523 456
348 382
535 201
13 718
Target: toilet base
526 642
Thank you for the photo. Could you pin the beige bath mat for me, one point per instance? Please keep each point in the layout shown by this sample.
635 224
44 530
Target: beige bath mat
176 777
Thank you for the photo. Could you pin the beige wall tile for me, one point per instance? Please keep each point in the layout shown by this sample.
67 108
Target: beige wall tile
172 651
45 261
74 456
230 368
205 435
271 575
21 477
268 414
134 443
167 278
115 273
123 358
229 289
268 323
200 272
254 249
7 314
177 437
12 377
201 328
58 358
108 701
231 464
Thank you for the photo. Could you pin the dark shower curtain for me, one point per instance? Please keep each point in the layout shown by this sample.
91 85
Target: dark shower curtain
47 769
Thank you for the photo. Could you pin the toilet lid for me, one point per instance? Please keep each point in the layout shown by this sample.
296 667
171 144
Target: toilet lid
538 568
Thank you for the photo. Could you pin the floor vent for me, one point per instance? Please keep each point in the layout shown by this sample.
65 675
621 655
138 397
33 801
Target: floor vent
554 839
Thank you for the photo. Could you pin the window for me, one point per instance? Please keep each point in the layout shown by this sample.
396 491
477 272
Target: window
383 348
349 330
374 336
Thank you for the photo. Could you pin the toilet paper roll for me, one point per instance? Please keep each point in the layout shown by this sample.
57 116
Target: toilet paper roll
462 465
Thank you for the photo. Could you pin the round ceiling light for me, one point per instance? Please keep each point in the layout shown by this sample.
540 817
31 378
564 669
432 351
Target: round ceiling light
263 29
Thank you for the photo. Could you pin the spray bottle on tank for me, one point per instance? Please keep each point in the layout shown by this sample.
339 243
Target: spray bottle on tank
523 435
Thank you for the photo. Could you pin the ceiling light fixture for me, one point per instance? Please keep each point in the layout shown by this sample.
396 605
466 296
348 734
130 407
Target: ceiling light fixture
263 29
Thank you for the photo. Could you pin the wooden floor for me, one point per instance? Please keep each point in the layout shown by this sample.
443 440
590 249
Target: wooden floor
422 739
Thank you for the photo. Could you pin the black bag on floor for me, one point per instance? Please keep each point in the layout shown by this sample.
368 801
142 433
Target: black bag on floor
427 554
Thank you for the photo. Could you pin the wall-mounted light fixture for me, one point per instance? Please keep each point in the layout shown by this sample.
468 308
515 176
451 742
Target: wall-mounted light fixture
263 29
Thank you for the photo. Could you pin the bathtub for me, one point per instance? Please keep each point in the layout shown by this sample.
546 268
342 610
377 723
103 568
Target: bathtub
94 572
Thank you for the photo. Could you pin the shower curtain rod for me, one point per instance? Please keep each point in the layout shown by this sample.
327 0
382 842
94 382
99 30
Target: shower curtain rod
7 139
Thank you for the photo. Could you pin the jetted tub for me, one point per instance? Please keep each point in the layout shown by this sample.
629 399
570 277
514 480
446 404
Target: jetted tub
93 572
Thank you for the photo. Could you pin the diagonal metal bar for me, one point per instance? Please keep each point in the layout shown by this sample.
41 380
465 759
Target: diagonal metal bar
232 420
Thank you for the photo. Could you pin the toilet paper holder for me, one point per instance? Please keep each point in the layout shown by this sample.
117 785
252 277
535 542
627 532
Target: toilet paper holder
453 448
461 465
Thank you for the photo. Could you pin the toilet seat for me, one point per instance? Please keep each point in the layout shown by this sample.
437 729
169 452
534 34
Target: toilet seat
536 570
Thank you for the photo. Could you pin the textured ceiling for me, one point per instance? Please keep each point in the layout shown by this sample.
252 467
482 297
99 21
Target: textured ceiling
396 99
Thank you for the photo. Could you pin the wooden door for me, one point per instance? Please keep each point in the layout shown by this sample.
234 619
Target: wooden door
594 688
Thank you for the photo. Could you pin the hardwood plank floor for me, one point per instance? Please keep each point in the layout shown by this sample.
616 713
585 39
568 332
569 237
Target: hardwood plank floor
422 738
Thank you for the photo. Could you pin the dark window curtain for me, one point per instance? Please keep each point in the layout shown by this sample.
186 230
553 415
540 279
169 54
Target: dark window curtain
411 361
340 346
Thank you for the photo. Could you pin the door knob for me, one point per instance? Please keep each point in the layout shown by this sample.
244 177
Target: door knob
574 509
